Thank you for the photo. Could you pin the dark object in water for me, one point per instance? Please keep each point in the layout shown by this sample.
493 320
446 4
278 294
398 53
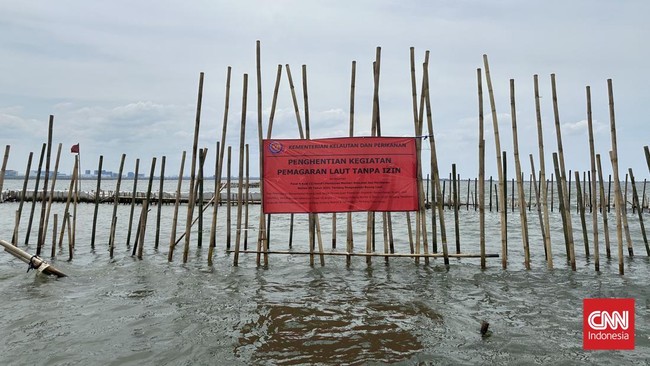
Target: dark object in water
484 328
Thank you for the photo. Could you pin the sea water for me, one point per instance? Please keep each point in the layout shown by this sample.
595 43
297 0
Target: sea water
125 311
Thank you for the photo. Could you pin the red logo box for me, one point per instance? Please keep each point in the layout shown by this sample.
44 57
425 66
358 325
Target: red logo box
608 324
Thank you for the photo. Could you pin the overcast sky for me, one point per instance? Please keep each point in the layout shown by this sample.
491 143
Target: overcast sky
122 76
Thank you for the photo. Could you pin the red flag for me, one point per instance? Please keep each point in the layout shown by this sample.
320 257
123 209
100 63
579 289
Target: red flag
75 149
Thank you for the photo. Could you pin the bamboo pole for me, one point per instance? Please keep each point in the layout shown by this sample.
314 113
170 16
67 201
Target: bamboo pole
602 205
3 170
160 200
268 136
228 198
454 183
546 226
96 210
221 146
302 135
70 239
216 201
481 168
41 227
172 239
622 199
497 144
35 195
436 177
145 212
635 198
73 242
561 177
647 156
66 211
349 238
143 227
246 199
315 223
242 137
14 239
192 199
418 145
505 196
262 238
563 208
16 224
619 212
51 197
539 207
54 227
199 183
520 184
592 181
133 194
116 202
581 208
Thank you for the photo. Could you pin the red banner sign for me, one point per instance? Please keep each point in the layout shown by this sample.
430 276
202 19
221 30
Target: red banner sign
340 175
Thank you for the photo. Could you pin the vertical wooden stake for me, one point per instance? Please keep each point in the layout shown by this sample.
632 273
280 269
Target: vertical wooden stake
54 227
228 199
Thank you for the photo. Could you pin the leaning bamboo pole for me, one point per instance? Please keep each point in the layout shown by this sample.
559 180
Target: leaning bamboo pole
66 211
51 196
436 176
497 145
35 195
41 228
116 201
561 177
647 156
635 198
537 203
139 242
192 199
240 183
581 210
563 208
592 182
520 184
172 239
614 152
